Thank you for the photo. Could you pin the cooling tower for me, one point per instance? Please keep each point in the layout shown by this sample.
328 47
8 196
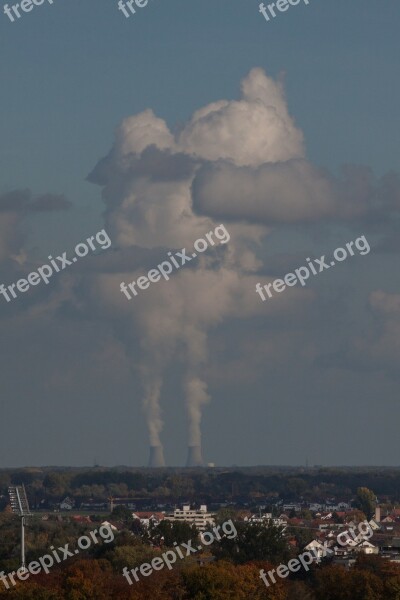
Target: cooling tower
195 458
156 457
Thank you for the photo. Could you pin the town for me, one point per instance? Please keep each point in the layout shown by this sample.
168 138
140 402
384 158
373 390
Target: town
278 515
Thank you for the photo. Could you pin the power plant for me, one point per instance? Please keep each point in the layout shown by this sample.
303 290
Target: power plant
156 457
195 458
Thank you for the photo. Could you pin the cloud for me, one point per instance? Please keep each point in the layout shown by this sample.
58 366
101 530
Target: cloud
293 191
378 349
17 207
241 163
374 347
23 201
251 131
49 203
147 182
283 192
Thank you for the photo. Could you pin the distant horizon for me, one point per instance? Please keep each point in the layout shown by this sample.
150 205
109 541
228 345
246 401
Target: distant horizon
216 467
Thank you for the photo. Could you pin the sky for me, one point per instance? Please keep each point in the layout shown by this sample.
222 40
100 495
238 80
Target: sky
159 128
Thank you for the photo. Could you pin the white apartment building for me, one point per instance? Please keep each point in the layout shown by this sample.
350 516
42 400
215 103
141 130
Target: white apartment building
200 517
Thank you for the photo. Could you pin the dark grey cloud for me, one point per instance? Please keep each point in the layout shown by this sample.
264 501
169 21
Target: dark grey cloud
293 192
49 203
153 163
23 201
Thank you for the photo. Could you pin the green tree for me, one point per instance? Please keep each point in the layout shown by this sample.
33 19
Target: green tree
168 532
130 556
253 542
54 484
366 501
122 513
226 514
303 535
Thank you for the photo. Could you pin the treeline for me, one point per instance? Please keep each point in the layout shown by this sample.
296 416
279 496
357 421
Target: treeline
203 485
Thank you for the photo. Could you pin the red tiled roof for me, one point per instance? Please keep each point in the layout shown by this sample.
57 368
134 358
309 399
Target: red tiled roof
82 519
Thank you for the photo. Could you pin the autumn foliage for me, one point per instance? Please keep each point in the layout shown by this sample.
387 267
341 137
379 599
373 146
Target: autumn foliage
92 579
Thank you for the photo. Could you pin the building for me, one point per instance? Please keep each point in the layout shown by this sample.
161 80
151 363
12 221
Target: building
94 506
148 518
266 518
127 502
110 525
316 549
67 504
201 518
290 507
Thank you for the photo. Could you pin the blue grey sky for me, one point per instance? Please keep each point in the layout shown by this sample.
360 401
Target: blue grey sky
71 72
75 69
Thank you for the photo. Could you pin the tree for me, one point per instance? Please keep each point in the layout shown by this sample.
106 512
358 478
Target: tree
366 501
225 581
139 529
303 535
121 513
31 592
90 580
55 484
225 514
130 556
299 591
253 542
335 583
168 532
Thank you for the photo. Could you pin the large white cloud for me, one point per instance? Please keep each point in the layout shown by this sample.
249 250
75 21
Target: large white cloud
251 131
147 185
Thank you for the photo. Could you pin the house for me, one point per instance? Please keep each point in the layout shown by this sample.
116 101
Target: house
67 504
326 524
317 549
265 519
290 507
389 547
81 519
111 526
283 517
388 519
149 518
366 547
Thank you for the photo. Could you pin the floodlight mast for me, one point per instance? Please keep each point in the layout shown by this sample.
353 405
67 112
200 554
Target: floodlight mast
20 506
23 565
